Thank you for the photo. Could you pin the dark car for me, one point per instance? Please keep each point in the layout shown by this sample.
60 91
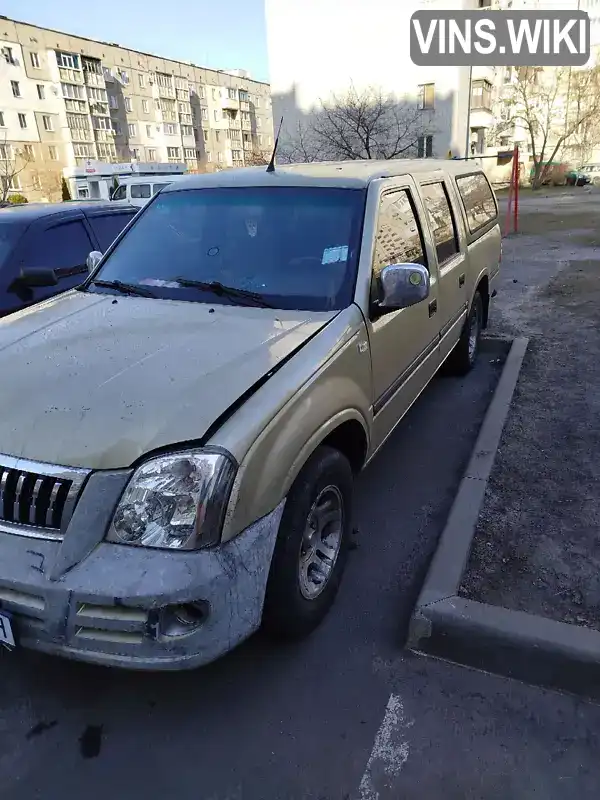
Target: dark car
53 236
577 177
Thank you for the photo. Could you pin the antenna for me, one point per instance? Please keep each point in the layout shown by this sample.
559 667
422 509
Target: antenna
271 167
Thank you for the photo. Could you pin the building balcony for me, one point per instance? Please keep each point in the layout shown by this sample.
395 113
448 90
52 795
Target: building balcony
481 118
70 75
99 109
94 79
230 103
166 91
82 136
244 105
233 122
246 124
104 135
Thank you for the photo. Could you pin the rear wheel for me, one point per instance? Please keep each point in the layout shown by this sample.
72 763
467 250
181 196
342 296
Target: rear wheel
462 359
312 546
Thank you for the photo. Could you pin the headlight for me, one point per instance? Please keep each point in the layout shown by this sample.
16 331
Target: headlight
176 501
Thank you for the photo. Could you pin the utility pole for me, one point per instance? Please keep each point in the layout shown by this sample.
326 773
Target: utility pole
468 133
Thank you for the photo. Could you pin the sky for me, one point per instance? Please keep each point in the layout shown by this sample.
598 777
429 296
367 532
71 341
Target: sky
211 33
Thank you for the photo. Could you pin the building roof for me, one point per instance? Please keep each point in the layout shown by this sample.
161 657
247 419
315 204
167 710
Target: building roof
341 174
30 211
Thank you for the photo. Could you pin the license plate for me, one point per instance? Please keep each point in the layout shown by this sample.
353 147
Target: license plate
6 634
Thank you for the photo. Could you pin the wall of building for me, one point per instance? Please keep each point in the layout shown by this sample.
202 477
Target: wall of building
105 102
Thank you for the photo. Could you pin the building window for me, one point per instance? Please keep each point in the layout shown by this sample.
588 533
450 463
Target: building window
5 152
205 135
232 94
47 123
236 154
189 152
8 55
117 127
187 130
151 154
29 152
425 146
427 95
15 183
173 152
481 94
1 119
16 89
484 3
22 120
52 153
71 90
201 92
204 113
244 96
67 60
219 157
142 80
149 131
128 104
208 155
145 107
124 77
35 60
171 128
135 153
214 93
113 101
217 136
216 113
102 123
41 93
132 130
37 183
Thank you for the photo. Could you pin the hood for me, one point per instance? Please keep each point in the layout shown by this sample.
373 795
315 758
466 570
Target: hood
97 381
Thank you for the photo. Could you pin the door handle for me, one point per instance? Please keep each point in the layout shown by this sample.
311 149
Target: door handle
432 307
461 279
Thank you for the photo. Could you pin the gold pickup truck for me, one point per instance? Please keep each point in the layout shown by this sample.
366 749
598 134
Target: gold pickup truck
180 435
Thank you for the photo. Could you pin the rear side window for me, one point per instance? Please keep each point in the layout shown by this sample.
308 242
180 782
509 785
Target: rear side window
108 226
63 248
140 190
399 239
478 200
120 192
157 187
441 220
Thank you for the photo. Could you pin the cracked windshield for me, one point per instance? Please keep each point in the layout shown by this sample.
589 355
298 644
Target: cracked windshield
299 347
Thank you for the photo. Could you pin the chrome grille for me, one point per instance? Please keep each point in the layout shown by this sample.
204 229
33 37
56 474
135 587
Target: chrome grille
37 499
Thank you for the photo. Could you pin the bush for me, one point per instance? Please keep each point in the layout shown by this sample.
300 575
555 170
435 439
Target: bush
17 198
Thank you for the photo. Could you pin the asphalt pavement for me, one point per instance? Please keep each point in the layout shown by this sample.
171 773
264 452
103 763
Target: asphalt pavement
343 715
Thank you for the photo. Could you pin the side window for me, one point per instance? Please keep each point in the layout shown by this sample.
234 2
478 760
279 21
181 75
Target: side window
157 187
478 200
119 193
63 248
441 220
140 190
399 239
108 226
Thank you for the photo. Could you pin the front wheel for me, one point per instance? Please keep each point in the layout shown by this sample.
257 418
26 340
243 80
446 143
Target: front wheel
462 359
312 546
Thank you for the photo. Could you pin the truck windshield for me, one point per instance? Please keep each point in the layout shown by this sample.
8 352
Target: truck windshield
295 246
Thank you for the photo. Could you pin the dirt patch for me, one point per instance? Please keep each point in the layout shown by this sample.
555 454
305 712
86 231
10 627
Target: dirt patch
537 544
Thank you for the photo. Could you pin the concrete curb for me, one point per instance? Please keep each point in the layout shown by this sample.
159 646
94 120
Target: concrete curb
524 646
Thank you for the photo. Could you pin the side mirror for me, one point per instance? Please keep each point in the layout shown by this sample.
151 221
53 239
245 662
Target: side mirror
402 285
36 277
93 260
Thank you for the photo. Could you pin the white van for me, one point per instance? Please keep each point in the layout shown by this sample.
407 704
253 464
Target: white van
140 189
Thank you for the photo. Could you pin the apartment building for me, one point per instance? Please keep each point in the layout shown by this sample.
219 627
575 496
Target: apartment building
66 100
365 45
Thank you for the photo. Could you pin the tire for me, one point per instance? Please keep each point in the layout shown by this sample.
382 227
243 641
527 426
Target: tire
290 612
462 359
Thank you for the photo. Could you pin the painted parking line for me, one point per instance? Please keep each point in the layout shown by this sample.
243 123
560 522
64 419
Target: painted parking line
390 751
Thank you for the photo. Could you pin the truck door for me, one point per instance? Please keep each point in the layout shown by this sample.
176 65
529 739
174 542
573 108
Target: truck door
451 256
404 343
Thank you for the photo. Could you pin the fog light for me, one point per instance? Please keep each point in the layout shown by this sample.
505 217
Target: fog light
183 618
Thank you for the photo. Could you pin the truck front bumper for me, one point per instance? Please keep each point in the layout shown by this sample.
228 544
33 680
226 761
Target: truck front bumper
111 607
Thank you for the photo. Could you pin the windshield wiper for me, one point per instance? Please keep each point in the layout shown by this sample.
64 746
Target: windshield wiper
228 291
125 288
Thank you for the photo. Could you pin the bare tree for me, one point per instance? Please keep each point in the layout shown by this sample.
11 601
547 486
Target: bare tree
257 158
553 105
359 125
12 163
